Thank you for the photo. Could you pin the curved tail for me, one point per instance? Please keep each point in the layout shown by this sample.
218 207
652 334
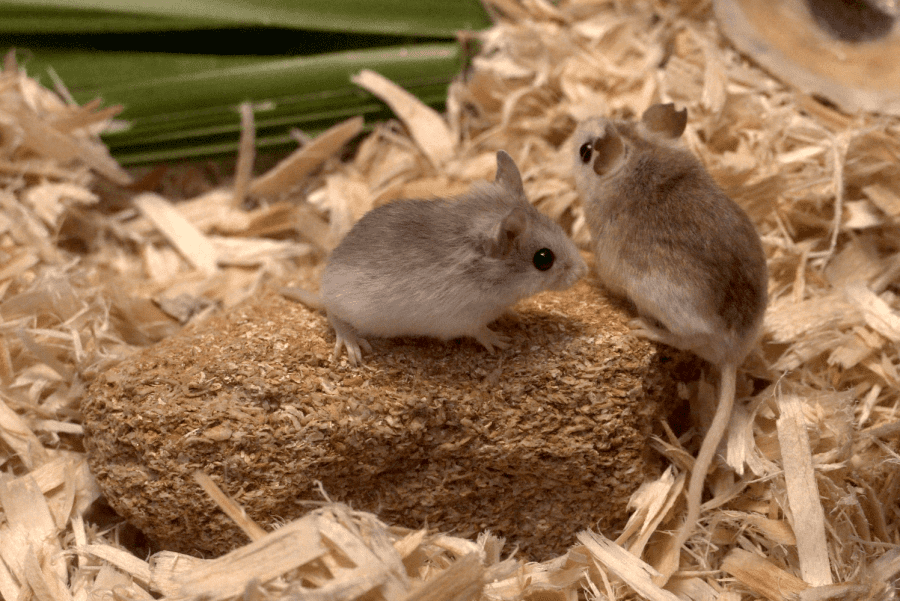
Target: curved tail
704 460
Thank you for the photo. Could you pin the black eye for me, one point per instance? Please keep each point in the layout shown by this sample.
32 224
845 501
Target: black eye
543 259
585 152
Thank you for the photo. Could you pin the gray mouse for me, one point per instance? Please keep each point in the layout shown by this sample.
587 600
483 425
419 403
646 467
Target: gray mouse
667 238
443 268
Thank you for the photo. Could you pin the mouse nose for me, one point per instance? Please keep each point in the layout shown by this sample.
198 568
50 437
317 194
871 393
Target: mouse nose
581 268
577 270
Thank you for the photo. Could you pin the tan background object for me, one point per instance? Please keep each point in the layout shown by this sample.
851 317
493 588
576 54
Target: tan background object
822 47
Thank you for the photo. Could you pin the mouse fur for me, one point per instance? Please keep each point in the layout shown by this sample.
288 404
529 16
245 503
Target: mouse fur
444 268
667 238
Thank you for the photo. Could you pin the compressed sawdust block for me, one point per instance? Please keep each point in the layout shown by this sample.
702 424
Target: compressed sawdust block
533 443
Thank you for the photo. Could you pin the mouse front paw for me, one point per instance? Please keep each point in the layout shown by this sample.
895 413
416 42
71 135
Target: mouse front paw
490 339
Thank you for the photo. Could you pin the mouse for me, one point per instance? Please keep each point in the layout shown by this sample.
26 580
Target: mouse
443 267
668 239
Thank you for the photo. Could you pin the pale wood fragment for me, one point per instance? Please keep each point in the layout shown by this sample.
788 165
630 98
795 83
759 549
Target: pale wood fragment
803 495
243 171
762 576
30 531
168 569
464 579
426 126
885 199
284 549
16 433
193 245
42 587
122 559
394 584
634 572
651 504
112 582
292 170
234 511
876 312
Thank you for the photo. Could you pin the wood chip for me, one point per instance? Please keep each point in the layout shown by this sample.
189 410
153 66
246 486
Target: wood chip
253 531
634 572
190 242
125 561
246 154
426 126
762 576
464 579
16 433
292 170
651 503
876 312
803 495
276 553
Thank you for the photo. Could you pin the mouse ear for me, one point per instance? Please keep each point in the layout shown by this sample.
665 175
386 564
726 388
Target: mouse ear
508 230
607 149
663 119
508 174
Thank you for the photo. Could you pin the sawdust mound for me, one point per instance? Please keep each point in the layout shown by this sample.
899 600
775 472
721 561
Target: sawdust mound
521 442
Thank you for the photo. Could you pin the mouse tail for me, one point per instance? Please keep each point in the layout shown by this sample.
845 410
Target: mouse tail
701 466
310 299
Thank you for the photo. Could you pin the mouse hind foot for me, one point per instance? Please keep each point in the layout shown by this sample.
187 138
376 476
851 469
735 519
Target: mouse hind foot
490 339
650 329
705 345
347 338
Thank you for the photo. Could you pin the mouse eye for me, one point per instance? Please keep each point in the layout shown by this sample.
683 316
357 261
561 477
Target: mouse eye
543 259
585 152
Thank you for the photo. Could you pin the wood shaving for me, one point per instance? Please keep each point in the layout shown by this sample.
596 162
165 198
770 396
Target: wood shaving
190 242
80 265
293 169
803 495
426 126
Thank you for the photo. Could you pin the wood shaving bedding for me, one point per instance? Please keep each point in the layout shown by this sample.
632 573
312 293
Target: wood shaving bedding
821 186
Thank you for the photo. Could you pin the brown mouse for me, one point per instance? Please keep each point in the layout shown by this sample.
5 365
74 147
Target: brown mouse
667 238
444 268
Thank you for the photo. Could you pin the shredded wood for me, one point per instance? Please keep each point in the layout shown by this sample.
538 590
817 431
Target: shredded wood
804 504
806 514
426 126
246 155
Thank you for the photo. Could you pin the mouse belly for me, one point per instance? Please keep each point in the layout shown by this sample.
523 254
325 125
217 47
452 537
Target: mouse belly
389 320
